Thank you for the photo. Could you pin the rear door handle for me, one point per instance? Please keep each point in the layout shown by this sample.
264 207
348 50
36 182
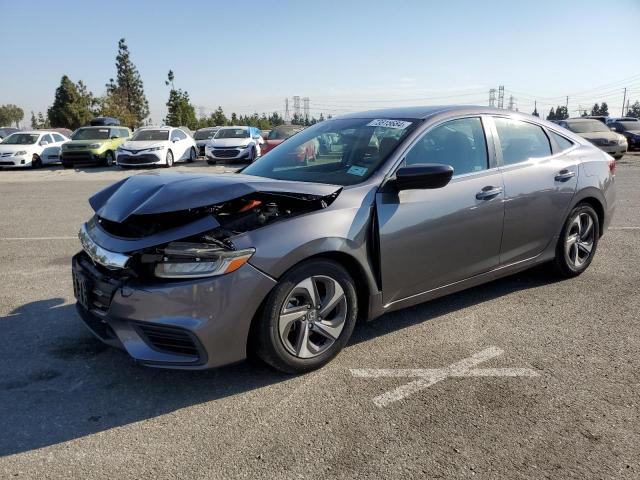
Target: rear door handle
488 193
564 175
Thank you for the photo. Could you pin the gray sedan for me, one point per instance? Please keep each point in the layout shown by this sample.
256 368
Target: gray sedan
280 261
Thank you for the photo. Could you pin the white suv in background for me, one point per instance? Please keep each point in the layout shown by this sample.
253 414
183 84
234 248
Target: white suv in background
234 143
156 146
31 148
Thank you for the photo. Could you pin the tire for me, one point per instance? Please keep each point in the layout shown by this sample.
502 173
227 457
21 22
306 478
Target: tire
108 159
192 155
169 159
211 162
36 162
294 344
66 164
253 156
618 157
578 242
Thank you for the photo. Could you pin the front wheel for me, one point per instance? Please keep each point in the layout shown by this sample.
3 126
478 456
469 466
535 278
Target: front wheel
36 162
307 318
108 159
578 241
169 159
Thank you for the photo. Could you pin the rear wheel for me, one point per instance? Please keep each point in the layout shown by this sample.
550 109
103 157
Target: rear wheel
578 241
307 318
169 159
192 155
36 161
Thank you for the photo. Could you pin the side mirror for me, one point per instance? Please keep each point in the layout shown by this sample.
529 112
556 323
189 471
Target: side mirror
43 143
615 129
423 176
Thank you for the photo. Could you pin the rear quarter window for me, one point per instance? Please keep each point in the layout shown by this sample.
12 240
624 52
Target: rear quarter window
562 142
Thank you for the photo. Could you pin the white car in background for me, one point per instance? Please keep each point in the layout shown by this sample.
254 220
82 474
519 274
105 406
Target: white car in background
234 143
156 146
32 148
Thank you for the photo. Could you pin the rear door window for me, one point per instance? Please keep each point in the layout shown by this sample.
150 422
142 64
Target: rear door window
521 141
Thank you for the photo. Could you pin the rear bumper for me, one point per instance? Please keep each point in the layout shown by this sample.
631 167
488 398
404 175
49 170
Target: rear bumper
195 324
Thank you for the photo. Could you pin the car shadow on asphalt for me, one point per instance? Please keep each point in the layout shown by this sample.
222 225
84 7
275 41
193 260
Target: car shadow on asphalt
58 383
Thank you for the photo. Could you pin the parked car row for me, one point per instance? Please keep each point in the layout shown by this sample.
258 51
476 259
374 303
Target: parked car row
31 148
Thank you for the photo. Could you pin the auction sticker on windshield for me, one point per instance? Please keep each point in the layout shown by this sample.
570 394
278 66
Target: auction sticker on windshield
381 122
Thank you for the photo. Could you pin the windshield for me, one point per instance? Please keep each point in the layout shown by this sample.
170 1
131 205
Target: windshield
91 134
341 151
21 139
587 126
282 133
232 133
150 135
630 125
205 134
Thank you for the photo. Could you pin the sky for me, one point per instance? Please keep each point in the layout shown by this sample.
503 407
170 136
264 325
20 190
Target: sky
346 55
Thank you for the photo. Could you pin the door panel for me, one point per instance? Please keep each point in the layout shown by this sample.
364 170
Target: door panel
430 238
538 190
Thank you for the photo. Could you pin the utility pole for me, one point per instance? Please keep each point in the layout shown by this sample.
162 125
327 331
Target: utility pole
287 117
624 99
510 102
566 105
296 106
501 96
492 97
305 107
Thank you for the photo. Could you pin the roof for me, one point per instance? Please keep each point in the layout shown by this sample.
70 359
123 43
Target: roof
581 119
425 111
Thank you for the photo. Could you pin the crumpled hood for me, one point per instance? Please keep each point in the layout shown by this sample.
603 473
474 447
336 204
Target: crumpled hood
153 193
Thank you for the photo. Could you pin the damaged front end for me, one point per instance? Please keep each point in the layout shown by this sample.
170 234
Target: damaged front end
159 245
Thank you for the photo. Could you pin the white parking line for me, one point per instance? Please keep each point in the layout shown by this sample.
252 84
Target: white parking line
430 376
624 228
11 239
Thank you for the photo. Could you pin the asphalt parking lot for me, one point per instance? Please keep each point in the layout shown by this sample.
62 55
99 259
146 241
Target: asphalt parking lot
525 377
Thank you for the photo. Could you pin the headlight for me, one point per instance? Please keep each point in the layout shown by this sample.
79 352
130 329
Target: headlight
622 141
95 145
21 152
155 149
197 260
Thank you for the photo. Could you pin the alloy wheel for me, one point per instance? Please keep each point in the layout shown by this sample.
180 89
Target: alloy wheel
579 240
313 316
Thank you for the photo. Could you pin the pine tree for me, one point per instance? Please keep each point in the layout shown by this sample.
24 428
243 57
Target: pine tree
234 119
126 93
39 121
219 118
73 105
595 110
561 112
535 112
552 114
180 112
604 109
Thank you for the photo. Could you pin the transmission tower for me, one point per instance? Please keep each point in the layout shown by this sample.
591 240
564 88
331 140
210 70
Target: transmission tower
305 108
296 105
501 96
287 116
492 97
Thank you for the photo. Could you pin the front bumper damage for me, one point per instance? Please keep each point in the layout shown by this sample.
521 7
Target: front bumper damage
187 323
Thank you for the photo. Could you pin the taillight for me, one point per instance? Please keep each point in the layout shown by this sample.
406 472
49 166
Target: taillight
612 166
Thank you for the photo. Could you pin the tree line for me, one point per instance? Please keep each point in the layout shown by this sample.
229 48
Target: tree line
74 105
598 110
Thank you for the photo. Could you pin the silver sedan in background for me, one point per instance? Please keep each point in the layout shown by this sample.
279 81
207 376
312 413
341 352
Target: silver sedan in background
200 270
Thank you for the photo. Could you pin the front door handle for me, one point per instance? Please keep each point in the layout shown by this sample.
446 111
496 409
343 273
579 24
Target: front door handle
564 175
488 193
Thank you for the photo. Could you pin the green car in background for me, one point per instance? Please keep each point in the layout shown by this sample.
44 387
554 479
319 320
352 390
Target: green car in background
94 145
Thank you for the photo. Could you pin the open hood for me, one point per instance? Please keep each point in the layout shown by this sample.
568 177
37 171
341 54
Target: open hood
155 193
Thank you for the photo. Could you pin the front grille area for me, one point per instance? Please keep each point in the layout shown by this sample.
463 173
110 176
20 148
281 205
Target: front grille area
92 287
169 339
137 159
6 163
77 157
225 153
